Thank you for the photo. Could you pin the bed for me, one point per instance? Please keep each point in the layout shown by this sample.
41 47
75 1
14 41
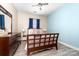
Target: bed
36 42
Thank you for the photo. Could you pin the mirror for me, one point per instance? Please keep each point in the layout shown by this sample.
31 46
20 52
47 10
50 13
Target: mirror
5 20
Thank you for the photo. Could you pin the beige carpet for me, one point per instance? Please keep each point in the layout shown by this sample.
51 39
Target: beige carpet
62 51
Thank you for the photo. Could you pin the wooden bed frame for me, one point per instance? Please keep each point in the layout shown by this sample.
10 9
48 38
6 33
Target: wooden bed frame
36 42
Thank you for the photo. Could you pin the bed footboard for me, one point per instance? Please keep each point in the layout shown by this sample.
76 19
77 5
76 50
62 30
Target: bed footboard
37 42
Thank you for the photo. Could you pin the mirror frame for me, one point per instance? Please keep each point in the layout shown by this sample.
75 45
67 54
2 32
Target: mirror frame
7 13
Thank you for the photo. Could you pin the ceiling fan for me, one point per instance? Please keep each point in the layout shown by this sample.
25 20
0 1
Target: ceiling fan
40 5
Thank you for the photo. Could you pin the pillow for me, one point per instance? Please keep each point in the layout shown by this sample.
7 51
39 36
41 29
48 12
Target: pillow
32 31
41 31
36 31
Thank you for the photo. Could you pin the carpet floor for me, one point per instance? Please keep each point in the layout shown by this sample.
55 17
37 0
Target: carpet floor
62 51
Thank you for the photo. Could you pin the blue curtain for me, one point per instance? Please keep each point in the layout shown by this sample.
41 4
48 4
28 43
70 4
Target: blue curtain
2 24
38 23
30 23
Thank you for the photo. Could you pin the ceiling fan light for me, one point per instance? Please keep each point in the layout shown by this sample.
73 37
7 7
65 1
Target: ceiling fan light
35 11
40 8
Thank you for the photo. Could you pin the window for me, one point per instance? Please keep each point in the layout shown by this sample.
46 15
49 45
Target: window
2 25
34 23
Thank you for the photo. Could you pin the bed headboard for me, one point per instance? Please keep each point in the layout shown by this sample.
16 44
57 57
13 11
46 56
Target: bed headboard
35 31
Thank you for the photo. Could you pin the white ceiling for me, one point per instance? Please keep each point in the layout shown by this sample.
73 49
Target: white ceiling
46 9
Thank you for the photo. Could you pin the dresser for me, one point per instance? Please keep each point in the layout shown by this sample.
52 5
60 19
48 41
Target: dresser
9 44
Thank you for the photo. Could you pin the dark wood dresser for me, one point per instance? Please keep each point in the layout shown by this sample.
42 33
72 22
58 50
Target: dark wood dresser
9 44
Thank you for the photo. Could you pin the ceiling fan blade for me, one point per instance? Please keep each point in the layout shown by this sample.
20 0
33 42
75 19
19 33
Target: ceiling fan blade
42 3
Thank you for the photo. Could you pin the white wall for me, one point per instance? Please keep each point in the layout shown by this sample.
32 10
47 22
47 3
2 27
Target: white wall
12 10
23 19
20 19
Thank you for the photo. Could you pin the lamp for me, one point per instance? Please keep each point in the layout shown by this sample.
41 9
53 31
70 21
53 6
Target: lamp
1 31
23 30
45 30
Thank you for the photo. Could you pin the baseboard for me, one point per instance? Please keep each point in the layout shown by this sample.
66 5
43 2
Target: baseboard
69 45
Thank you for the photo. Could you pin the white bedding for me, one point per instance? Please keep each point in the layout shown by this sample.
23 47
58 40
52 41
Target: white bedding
36 31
